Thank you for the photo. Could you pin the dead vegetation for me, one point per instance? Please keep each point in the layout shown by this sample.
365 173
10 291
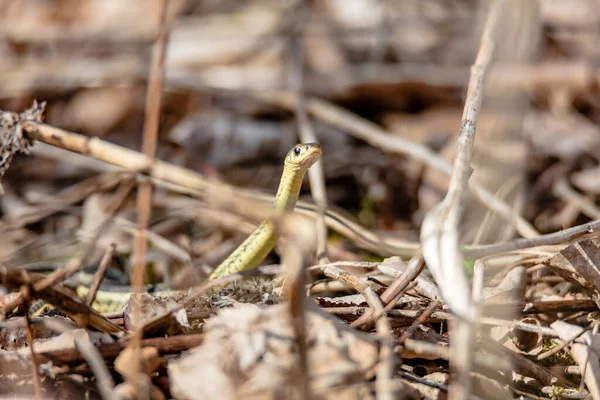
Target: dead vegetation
445 247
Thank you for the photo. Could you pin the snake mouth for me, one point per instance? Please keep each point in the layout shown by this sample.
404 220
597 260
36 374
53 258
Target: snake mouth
313 155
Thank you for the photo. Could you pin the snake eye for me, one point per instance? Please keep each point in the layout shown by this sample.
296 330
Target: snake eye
297 151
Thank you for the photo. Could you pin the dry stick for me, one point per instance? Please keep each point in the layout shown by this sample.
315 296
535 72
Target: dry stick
301 242
159 241
576 232
564 191
439 232
110 351
144 197
378 137
384 331
523 326
307 135
25 294
561 346
420 320
61 298
353 264
488 361
100 273
392 293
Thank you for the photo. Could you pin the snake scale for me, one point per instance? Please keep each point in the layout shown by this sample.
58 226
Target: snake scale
257 246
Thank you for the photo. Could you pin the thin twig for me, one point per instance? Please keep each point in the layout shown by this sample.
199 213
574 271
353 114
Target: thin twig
301 243
555 238
587 358
25 294
564 191
439 231
307 135
561 346
420 320
100 273
144 194
392 293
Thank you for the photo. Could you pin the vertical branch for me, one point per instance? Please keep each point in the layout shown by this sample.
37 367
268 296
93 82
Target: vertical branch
301 242
25 290
307 135
439 232
150 138
151 124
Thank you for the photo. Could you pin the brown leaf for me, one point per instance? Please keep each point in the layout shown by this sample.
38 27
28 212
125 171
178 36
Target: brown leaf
578 263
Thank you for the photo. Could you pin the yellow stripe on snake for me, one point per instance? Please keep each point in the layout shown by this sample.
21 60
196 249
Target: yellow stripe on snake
257 246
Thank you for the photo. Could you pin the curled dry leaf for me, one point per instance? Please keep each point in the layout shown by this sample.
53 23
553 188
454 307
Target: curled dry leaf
249 350
580 263
527 341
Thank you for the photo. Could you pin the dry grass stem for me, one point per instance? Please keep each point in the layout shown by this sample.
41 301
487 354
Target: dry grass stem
145 189
307 135
100 273
299 246
396 289
439 232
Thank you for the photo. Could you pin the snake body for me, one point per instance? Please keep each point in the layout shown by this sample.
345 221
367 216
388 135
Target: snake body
256 247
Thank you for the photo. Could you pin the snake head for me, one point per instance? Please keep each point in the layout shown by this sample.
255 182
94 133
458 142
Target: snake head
303 156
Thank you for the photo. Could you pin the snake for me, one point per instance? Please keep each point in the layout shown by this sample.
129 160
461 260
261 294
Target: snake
252 251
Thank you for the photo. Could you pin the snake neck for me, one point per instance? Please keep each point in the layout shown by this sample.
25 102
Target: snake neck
256 246
289 189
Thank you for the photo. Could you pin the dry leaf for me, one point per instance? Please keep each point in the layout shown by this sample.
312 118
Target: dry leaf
248 350
579 263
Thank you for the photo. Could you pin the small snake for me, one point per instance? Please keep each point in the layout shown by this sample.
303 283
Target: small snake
257 246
